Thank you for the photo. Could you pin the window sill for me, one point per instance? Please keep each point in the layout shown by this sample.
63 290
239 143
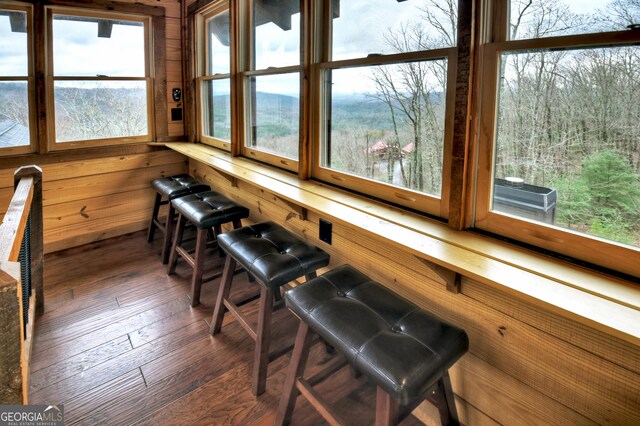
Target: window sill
606 303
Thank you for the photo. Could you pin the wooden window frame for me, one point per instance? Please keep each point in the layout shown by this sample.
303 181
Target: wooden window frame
247 70
203 75
590 249
29 79
51 78
39 90
419 201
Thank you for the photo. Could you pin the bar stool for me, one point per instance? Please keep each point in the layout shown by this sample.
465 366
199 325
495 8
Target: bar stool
208 211
401 348
274 257
168 189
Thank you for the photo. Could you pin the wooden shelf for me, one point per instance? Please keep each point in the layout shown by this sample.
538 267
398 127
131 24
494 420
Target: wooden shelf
609 304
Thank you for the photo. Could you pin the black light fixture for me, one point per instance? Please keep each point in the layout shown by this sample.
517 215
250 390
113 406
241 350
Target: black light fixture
17 20
105 26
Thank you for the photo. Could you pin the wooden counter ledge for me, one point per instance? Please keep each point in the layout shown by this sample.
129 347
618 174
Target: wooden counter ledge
609 304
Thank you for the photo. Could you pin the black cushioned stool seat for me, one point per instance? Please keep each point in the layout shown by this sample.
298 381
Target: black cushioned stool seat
208 211
168 189
275 257
401 348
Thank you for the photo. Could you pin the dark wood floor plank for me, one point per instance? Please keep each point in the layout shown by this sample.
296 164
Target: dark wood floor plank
149 358
70 347
55 301
74 313
97 398
169 324
212 396
133 359
133 407
119 320
107 287
77 364
93 262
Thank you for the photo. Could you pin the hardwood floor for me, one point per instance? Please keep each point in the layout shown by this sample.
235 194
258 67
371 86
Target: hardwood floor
120 344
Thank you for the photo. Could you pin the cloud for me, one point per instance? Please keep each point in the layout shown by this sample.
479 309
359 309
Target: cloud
79 51
13 51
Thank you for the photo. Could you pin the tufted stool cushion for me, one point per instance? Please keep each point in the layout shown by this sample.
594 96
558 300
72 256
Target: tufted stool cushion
177 186
274 257
208 209
272 254
168 189
399 346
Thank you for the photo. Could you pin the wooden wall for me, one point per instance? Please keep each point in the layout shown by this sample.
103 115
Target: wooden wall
525 365
92 199
173 58
94 194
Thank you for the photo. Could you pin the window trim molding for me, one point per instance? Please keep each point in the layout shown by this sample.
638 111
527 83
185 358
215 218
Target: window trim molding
39 127
53 145
435 205
246 70
29 79
563 241
199 18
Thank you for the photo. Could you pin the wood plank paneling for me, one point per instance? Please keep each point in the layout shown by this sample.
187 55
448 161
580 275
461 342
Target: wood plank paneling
174 52
104 185
102 165
543 367
96 198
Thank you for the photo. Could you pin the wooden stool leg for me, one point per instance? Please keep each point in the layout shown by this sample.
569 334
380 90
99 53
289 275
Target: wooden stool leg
177 240
449 403
154 216
168 233
263 340
198 266
296 369
387 409
223 294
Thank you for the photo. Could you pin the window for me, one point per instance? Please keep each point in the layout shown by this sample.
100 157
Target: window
215 80
272 83
16 81
385 84
562 169
100 78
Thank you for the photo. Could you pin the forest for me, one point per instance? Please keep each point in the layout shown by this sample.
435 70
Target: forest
567 120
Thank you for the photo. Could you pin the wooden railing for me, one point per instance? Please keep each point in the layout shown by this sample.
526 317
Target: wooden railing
21 282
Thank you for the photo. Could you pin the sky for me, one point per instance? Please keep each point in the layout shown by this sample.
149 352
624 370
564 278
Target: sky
359 31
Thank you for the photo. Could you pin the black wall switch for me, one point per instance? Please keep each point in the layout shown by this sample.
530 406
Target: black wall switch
325 231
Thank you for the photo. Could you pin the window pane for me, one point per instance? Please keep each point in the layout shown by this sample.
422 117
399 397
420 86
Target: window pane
383 26
100 109
216 106
568 140
14 114
387 123
219 40
542 18
275 114
13 44
276 33
97 47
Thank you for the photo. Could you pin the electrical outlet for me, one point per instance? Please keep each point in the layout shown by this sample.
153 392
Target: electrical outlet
325 231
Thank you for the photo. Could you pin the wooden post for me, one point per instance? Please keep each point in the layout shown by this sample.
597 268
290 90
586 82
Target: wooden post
461 131
37 231
12 388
